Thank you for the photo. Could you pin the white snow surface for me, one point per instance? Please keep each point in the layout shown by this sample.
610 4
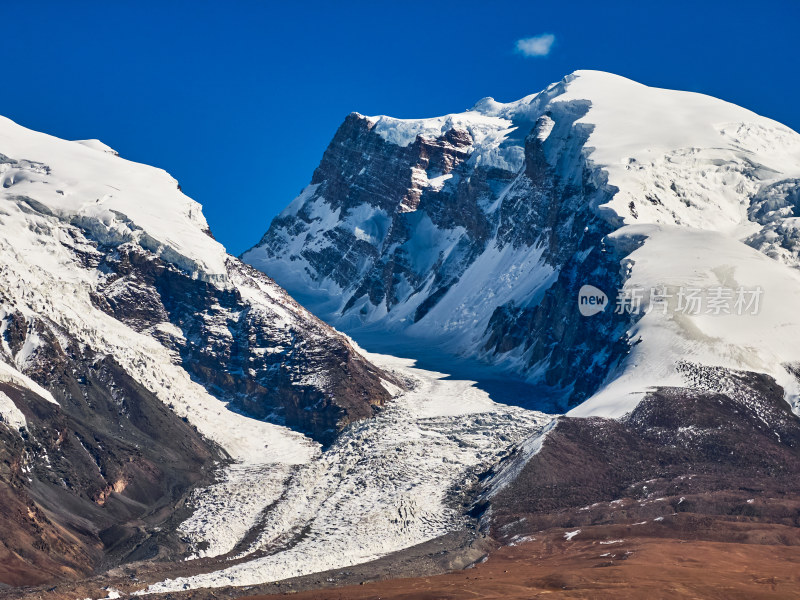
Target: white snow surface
691 258
717 154
85 181
10 415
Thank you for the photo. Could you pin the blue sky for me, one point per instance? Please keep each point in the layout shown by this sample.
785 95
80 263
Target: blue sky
238 100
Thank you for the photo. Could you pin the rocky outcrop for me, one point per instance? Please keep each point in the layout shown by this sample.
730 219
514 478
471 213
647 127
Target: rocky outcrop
721 449
501 248
92 480
305 376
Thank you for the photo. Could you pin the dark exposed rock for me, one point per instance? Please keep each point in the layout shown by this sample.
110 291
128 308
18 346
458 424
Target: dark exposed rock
96 473
223 339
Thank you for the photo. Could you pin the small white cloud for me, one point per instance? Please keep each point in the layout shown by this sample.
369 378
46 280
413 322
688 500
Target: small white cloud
538 45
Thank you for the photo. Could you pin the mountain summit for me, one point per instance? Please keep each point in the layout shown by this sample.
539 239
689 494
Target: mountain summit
476 232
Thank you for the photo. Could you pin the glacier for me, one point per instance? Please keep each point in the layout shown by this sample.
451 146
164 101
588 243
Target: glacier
103 260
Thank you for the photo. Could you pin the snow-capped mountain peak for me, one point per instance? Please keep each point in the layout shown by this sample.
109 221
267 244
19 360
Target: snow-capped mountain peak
87 182
138 359
474 231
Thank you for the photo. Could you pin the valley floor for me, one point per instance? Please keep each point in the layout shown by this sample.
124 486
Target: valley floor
384 511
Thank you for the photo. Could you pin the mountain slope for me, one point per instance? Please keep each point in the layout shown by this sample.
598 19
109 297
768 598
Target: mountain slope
174 422
476 231
136 357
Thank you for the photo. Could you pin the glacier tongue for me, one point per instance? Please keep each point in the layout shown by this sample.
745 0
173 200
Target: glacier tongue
386 484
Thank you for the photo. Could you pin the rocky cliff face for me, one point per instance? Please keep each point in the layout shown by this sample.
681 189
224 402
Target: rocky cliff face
400 234
135 357
245 344
475 232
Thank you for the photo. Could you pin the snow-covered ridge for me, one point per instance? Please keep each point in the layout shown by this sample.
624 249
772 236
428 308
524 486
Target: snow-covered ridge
680 157
106 262
110 255
643 139
119 200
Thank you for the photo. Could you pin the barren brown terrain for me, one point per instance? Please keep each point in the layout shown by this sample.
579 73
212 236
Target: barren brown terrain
636 567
